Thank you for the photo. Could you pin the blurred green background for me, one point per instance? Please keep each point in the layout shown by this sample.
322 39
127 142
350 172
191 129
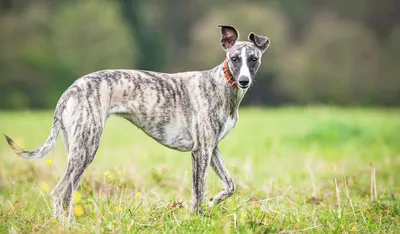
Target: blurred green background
333 52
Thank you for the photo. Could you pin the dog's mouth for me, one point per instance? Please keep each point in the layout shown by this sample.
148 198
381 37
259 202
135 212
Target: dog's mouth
243 86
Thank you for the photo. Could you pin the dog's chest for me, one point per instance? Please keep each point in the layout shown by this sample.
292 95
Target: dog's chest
229 124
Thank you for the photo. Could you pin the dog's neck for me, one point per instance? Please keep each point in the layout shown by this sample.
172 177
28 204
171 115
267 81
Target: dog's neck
233 95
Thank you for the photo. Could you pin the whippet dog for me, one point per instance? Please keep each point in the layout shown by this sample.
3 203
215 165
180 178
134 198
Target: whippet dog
188 111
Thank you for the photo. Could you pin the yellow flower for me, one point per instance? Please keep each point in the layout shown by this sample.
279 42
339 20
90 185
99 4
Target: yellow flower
44 186
106 173
49 161
354 229
78 210
77 197
243 215
137 194
118 208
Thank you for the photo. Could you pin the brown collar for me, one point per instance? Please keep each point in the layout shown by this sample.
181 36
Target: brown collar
228 74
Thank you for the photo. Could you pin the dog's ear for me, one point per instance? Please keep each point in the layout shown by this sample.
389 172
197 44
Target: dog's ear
261 42
229 35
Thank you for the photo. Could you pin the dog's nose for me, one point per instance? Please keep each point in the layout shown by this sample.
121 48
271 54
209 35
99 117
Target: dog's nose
244 81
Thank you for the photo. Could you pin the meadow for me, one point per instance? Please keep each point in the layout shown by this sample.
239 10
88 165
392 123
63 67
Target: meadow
303 169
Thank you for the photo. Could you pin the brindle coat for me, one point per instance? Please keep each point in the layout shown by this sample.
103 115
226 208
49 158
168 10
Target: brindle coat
189 111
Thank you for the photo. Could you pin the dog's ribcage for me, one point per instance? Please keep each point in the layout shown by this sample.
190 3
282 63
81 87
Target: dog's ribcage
178 110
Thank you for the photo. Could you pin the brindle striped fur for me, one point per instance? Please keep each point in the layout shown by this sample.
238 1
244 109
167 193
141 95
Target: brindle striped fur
189 111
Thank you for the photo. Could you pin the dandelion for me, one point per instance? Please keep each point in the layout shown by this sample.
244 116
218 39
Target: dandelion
49 161
354 229
137 194
243 215
78 210
44 186
106 174
77 197
118 208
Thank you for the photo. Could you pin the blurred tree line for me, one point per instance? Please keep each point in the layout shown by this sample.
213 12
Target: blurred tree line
337 52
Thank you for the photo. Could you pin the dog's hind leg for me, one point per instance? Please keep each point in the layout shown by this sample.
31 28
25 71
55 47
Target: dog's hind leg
82 149
65 139
217 164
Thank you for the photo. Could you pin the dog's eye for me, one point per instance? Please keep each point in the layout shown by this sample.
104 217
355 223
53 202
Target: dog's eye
254 59
234 58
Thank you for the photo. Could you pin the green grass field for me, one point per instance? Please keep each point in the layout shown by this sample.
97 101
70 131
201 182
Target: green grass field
311 169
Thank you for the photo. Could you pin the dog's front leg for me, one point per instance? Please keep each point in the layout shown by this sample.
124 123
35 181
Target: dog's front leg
200 161
219 168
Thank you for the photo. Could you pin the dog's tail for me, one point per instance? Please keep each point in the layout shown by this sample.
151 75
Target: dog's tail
50 142
40 152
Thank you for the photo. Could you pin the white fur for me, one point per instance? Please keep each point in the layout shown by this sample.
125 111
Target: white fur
67 113
229 124
244 69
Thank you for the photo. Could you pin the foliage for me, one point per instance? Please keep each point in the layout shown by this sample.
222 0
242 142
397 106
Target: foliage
53 48
338 52
92 36
338 66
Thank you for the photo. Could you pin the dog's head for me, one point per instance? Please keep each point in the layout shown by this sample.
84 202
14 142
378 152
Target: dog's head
244 57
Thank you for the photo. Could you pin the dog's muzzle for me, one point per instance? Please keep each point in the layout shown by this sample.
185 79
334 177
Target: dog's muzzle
244 82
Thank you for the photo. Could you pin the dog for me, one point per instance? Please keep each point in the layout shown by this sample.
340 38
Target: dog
188 111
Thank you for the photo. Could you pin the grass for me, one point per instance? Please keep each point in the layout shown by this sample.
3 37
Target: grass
313 169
